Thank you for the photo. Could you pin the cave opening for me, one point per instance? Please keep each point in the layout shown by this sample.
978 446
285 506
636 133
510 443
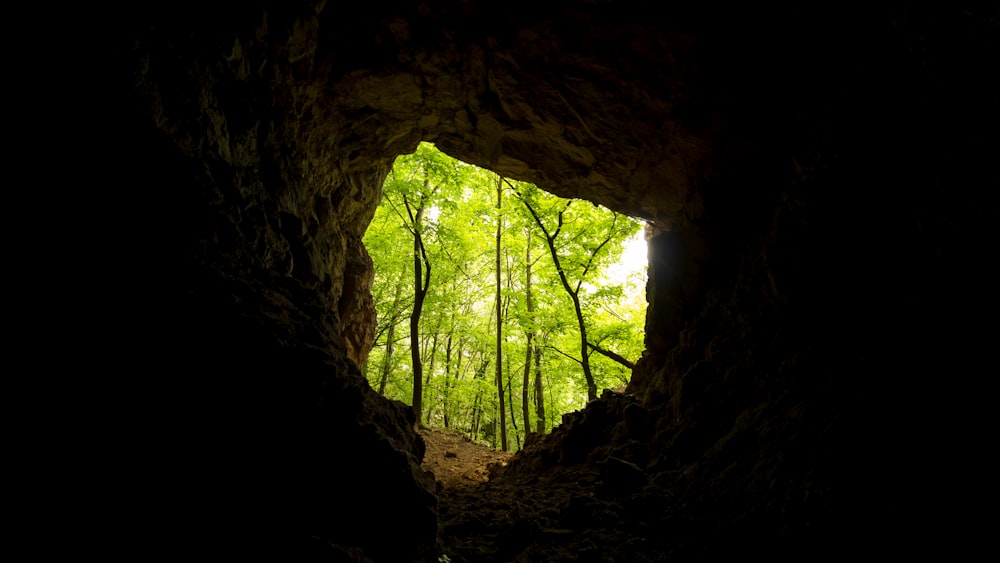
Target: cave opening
559 335
810 382
448 200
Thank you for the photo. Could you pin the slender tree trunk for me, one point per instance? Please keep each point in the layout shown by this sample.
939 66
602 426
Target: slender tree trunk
477 404
510 403
474 430
539 392
390 338
493 428
430 370
421 281
499 372
526 384
584 353
418 303
455 404
447 382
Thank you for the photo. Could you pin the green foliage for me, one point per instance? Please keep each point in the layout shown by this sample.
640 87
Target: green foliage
457 327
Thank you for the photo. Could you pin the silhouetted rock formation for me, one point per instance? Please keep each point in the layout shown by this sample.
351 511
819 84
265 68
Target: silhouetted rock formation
819 266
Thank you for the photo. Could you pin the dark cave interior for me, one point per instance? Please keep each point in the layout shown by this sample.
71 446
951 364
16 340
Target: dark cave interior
819 287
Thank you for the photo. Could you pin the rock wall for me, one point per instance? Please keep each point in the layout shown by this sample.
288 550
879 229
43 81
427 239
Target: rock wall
817 267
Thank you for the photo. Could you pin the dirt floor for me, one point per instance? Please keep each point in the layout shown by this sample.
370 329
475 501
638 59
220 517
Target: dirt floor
457 461
553 516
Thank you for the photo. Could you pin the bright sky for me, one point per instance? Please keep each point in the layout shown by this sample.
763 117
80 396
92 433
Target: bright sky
634 257
630 271
633 260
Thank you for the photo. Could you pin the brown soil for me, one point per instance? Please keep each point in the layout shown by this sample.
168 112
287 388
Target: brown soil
457 461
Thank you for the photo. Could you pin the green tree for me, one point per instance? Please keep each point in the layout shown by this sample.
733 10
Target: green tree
421 283
583 247
426 178
499 347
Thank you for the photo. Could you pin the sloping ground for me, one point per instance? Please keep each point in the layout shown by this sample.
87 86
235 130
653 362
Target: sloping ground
457 461
580 494
578 512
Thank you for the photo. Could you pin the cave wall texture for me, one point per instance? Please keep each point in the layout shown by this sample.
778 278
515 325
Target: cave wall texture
820 272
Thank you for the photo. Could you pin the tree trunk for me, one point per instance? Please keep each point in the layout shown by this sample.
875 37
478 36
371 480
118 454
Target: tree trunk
390 337
499 371
477 410
474 428
421 281
510 402
526 386
584 354
447 383
539 392
430 370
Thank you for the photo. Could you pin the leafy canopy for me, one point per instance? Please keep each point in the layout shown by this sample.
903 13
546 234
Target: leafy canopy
458 322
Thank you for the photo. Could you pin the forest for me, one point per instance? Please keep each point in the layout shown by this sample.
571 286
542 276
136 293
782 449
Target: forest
500 306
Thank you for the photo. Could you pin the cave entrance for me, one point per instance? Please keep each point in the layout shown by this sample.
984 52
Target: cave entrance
449 240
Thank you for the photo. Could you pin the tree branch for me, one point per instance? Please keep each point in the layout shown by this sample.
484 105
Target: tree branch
563 353
609 354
